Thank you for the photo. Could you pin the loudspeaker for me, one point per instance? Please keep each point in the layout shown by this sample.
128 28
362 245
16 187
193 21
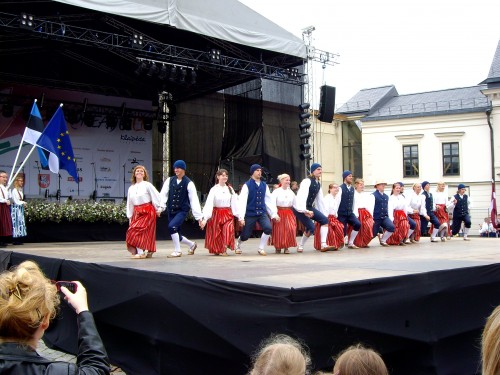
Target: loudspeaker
326 103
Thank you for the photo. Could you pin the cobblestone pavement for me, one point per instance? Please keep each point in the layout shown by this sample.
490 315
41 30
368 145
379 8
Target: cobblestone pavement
55 355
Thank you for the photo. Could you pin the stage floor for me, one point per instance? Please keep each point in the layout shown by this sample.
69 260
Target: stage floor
311 268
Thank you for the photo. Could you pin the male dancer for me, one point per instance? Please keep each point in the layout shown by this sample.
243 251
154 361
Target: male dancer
345 212
254 203
309 206
430 207
409 211
461 204
179 196
381 213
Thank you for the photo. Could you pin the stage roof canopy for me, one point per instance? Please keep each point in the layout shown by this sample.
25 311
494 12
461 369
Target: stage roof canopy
87 46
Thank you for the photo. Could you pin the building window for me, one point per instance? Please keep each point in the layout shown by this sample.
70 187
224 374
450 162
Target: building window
410 161
352 158
451 159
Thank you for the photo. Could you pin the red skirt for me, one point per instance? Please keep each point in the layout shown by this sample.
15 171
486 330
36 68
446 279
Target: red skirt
443 217
402 227
5 220
284 231
220 231
141 232
335 235
416 233
365 234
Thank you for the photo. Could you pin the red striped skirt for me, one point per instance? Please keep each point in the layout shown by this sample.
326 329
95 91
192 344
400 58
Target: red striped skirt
416 233
220 231
141 232
284 231
402 227
365 234
335 235
5 220
442 216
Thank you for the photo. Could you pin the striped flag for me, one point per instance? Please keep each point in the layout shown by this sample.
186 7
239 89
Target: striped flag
33 131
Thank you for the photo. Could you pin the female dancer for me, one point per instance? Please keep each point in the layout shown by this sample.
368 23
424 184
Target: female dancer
219 210
363 209
143 205
283 234
17 211
416 201
397 213
442 203
335 235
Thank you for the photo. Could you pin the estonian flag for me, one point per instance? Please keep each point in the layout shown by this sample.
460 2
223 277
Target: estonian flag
33 130
55 139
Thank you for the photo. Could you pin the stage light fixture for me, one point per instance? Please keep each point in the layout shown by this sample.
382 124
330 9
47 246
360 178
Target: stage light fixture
141 68
138 41
126 123
7 110
173 74
163 72
162 126
304 127
88 119
153 69
71 116
27 21
193 77
215 56
148 124
182 77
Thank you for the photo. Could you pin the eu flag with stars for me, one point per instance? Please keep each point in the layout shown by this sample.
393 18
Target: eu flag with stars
55 139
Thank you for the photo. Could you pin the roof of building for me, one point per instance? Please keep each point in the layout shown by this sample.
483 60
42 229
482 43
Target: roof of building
494 74
368 99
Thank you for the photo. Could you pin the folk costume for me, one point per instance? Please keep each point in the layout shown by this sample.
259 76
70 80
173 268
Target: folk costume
346 212
430 208
442 204
284 231
461 213
17 213
397 209
363 209
5 216
335 236
416 202
381 216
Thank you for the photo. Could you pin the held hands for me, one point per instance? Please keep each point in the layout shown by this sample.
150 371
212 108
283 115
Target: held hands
309 214
77 300
277 218
202 224
242 222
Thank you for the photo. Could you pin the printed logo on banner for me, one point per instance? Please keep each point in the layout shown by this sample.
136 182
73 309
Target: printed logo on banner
44 180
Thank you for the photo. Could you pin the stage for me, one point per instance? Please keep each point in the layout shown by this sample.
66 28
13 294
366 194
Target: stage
422 306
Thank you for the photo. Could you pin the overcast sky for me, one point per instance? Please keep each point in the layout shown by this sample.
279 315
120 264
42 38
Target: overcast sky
417 46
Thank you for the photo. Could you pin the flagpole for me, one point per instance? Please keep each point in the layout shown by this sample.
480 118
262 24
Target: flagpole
11 178
21 166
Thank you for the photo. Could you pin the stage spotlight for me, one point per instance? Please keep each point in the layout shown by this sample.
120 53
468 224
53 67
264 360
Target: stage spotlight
193 77
27 21
152 70
7 110
163 72
215 56
182 77
148 124
126 123
72 116
142 67
162 126
137 41
88 119
173 74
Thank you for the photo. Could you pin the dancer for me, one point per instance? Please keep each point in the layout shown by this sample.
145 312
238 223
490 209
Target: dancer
381 213
363 209
416 202
179 195
346 212
17 211
28 303
411 221
143 206
335 235
430 208
218 215
285 229
442 204
461 204
309 206
254 205
5 217
397 209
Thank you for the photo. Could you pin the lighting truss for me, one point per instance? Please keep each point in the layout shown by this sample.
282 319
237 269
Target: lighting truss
156 50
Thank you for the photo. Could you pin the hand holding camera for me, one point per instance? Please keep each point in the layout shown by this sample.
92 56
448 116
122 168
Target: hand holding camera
77 298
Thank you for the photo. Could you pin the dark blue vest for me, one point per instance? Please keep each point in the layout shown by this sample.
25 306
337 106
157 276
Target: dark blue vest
429 202
256 204
313 192
178 198
461 208
346 201
381 208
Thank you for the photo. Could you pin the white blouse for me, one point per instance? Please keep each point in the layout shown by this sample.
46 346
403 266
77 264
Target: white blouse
440 197
220 196
4 194
417 202
283 197
17 196
396 202
363 200
141 193
331 204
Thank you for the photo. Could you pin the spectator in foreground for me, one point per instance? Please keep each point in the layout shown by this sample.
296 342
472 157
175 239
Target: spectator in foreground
28 302
281 355
490 348
358 360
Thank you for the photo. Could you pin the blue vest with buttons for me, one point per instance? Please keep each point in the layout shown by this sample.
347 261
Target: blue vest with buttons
381 209
462 207
313 192
256 204
178 198
429 202
346 201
